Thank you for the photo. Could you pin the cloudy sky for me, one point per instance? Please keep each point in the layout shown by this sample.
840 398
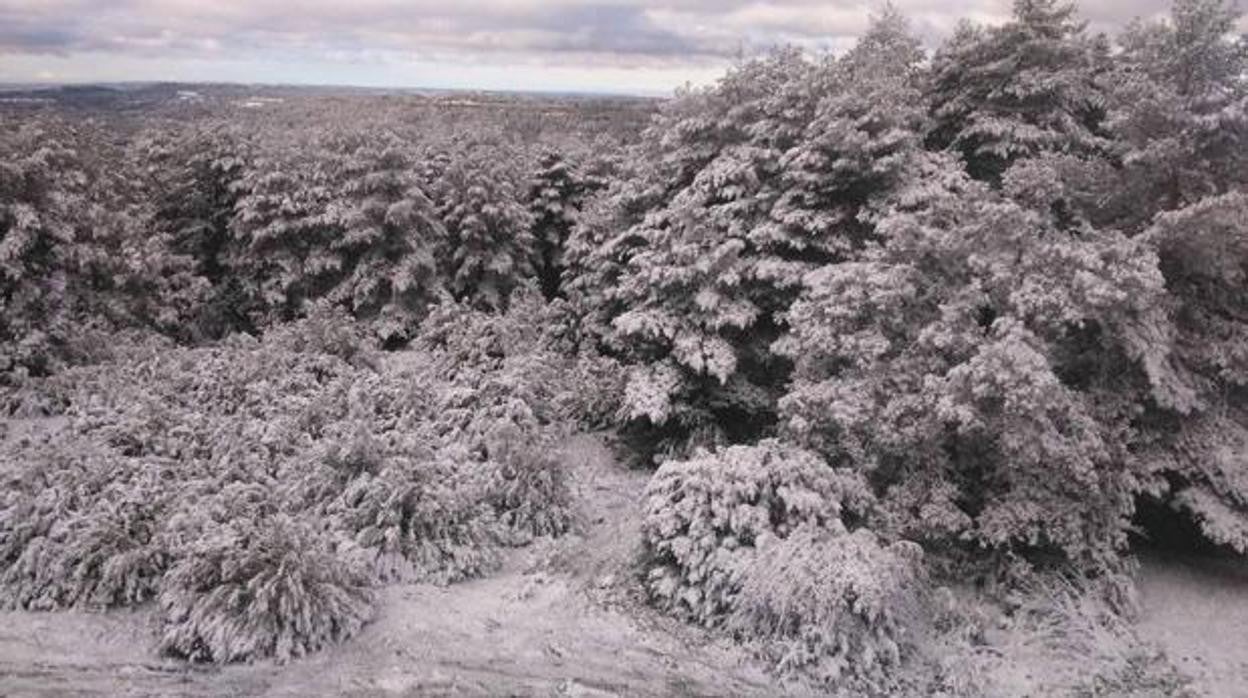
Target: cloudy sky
646 46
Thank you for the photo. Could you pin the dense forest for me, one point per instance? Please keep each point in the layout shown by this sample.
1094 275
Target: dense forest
909 340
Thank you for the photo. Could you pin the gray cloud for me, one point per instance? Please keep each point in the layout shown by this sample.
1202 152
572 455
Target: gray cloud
619 32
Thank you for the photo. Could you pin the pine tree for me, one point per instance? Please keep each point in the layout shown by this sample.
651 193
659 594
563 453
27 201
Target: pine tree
1030 86
65 214
344 219
555 199
193 179
739 192
489 246
978 366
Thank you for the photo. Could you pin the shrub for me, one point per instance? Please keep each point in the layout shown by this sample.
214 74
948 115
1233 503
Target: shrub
419 519
260 588
79 527
327 329
528 485
830 605
704 517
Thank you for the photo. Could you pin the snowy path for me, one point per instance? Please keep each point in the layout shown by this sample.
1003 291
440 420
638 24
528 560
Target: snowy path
1196 609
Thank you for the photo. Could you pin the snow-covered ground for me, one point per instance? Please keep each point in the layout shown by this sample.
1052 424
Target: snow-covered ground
1196 609
558 620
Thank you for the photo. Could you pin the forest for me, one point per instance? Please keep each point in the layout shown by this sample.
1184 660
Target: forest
911 350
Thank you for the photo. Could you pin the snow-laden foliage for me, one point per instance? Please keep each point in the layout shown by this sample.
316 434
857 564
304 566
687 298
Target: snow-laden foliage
1030 86
833 606
736 192
488 247
705 516
766 542
69 227
528 485
80 527
420 516
258 486
532 366
964 364
193 178
256 588
345 219
1181 108
557 193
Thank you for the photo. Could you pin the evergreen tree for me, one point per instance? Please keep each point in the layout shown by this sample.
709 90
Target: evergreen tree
66 222
743 189
194 181
555 199
1181 110
344 219
975 366
1030 86
489 246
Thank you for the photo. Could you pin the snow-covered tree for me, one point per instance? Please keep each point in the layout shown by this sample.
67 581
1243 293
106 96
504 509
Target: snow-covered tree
1180 111
343 219
489 245
738 192
193 179
1180 107
1030 86
979 365
67 216
555 197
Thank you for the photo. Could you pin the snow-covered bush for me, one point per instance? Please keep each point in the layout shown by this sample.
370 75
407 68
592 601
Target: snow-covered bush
528 484
419 519
251 589
80 526
757 540
327 329
704 518
832 606
529 366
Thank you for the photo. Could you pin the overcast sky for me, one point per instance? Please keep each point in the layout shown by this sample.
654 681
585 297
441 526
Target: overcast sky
643 46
